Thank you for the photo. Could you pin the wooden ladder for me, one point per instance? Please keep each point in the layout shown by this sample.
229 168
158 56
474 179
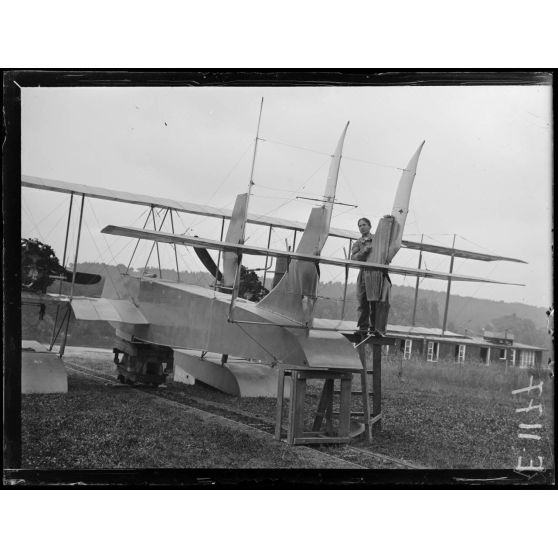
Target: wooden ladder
372 414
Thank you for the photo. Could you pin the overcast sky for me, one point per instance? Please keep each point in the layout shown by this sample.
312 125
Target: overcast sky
485 173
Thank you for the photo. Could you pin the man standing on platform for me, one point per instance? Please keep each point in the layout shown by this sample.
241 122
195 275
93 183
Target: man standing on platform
360 251
373 287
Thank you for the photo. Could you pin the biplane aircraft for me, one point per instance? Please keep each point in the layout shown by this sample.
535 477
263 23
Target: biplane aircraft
210 332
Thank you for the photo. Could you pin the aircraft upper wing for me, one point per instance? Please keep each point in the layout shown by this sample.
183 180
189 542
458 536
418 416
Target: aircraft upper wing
140 199
196 241
92 308
209 211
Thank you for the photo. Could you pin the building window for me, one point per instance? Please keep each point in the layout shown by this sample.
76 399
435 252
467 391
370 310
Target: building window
527 359
460 353
407 349
503 354
485 355
432 351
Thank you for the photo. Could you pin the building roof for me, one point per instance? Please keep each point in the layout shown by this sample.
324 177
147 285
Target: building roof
485 343
435 334
428 333
420 331
503 335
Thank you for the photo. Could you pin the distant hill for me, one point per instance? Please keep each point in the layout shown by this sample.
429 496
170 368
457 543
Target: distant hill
465 314
527 323
477 312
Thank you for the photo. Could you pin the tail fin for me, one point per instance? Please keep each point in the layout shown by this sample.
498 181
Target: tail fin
235 234
401 204
295 294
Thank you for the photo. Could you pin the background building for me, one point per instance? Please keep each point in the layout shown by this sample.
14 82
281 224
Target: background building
493 348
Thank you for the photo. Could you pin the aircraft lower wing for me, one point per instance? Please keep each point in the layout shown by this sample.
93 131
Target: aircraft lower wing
171 238
457 252
89 308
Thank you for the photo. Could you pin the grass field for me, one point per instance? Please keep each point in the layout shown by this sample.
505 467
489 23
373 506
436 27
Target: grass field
97 426
439 415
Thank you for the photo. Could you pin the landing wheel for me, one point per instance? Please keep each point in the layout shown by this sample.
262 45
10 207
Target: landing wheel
121 379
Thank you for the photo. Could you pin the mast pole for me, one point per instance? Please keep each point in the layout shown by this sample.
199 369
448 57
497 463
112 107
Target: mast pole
251 183
236 285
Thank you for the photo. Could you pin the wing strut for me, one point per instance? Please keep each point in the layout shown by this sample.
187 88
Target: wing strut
413 319
69 314
137 243
174 246
448 290
155 243
54 334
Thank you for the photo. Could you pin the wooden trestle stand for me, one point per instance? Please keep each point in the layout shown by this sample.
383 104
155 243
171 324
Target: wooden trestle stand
372 417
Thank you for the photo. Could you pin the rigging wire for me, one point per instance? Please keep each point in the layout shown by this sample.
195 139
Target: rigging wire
54 227
203 218
479 286
459 264
33 223
58 207
188 250
296 147
186 228
330 155
105 267
344 211
259 196
299 190
487 250
257 234
347 182
373 163
230 172
112 256
257 342
258 185
416 220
